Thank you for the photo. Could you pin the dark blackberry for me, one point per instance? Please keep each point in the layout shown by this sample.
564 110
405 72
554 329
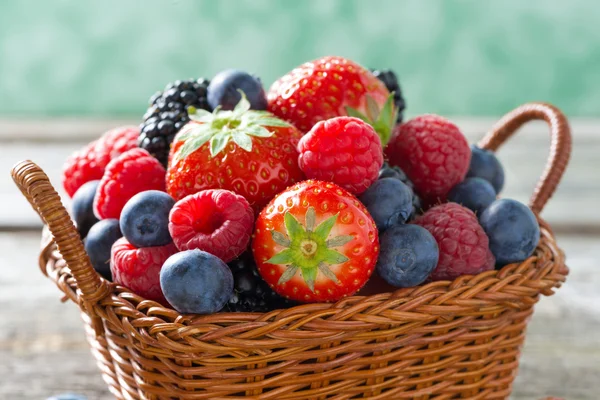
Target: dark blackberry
250 292
387 171
167 114
389 79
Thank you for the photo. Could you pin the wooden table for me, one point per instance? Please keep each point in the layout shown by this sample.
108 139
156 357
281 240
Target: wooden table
42 347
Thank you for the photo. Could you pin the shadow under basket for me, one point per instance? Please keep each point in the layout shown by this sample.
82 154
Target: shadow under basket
442 340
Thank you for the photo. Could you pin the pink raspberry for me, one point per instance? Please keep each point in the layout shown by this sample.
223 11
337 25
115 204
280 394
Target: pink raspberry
434 154
342 150
463 244
130 173
139 269
88 164
217 221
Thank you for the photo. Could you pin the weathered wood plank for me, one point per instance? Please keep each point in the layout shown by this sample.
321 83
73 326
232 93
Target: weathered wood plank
58 129
43 350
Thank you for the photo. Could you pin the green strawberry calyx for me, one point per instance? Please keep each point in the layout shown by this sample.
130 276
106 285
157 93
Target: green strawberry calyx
382 120
221 126
308 249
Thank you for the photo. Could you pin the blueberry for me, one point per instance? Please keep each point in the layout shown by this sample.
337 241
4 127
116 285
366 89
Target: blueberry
395 172
196 282
408 255
387 171
389 201
98 243
67 396
513 230
223 90
474 193
83 207
145 219
484 164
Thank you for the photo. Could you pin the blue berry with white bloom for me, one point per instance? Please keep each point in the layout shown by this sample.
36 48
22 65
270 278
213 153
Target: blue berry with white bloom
389 201
196 282
513 230
484 164
474 193
224 90
396 172
98 244
145 219
83 207
408 255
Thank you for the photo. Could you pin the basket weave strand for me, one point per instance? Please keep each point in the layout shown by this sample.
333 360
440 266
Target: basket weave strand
444 340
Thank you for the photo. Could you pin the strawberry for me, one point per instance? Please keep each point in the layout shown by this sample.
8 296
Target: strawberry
315 242
249 152
332 87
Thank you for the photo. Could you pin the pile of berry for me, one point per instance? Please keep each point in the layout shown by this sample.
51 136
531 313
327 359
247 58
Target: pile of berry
230 198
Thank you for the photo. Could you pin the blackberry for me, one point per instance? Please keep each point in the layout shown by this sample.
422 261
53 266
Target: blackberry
250 292
388 171
389 79
168 113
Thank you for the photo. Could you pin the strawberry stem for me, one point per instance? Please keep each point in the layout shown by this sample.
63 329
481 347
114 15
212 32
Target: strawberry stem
382 121
308 250
220 127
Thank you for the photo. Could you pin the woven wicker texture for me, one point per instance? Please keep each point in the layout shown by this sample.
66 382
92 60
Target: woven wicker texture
443 340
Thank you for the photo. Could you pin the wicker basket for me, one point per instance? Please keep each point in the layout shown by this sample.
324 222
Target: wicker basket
443 340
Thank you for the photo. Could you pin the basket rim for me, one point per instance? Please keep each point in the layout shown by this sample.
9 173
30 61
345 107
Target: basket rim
515 286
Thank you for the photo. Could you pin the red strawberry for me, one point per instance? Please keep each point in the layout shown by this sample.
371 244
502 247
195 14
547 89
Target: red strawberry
315 242
249 152
139 269
88 164
332 87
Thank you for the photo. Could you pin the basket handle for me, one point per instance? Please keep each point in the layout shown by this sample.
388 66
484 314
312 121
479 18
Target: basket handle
560 145
36 187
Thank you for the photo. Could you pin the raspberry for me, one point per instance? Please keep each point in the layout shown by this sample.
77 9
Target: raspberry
433 153
217 221
463 244
139 269
88 164
342 150
132 172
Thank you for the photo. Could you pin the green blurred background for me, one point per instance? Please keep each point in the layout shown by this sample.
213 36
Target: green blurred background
482 58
